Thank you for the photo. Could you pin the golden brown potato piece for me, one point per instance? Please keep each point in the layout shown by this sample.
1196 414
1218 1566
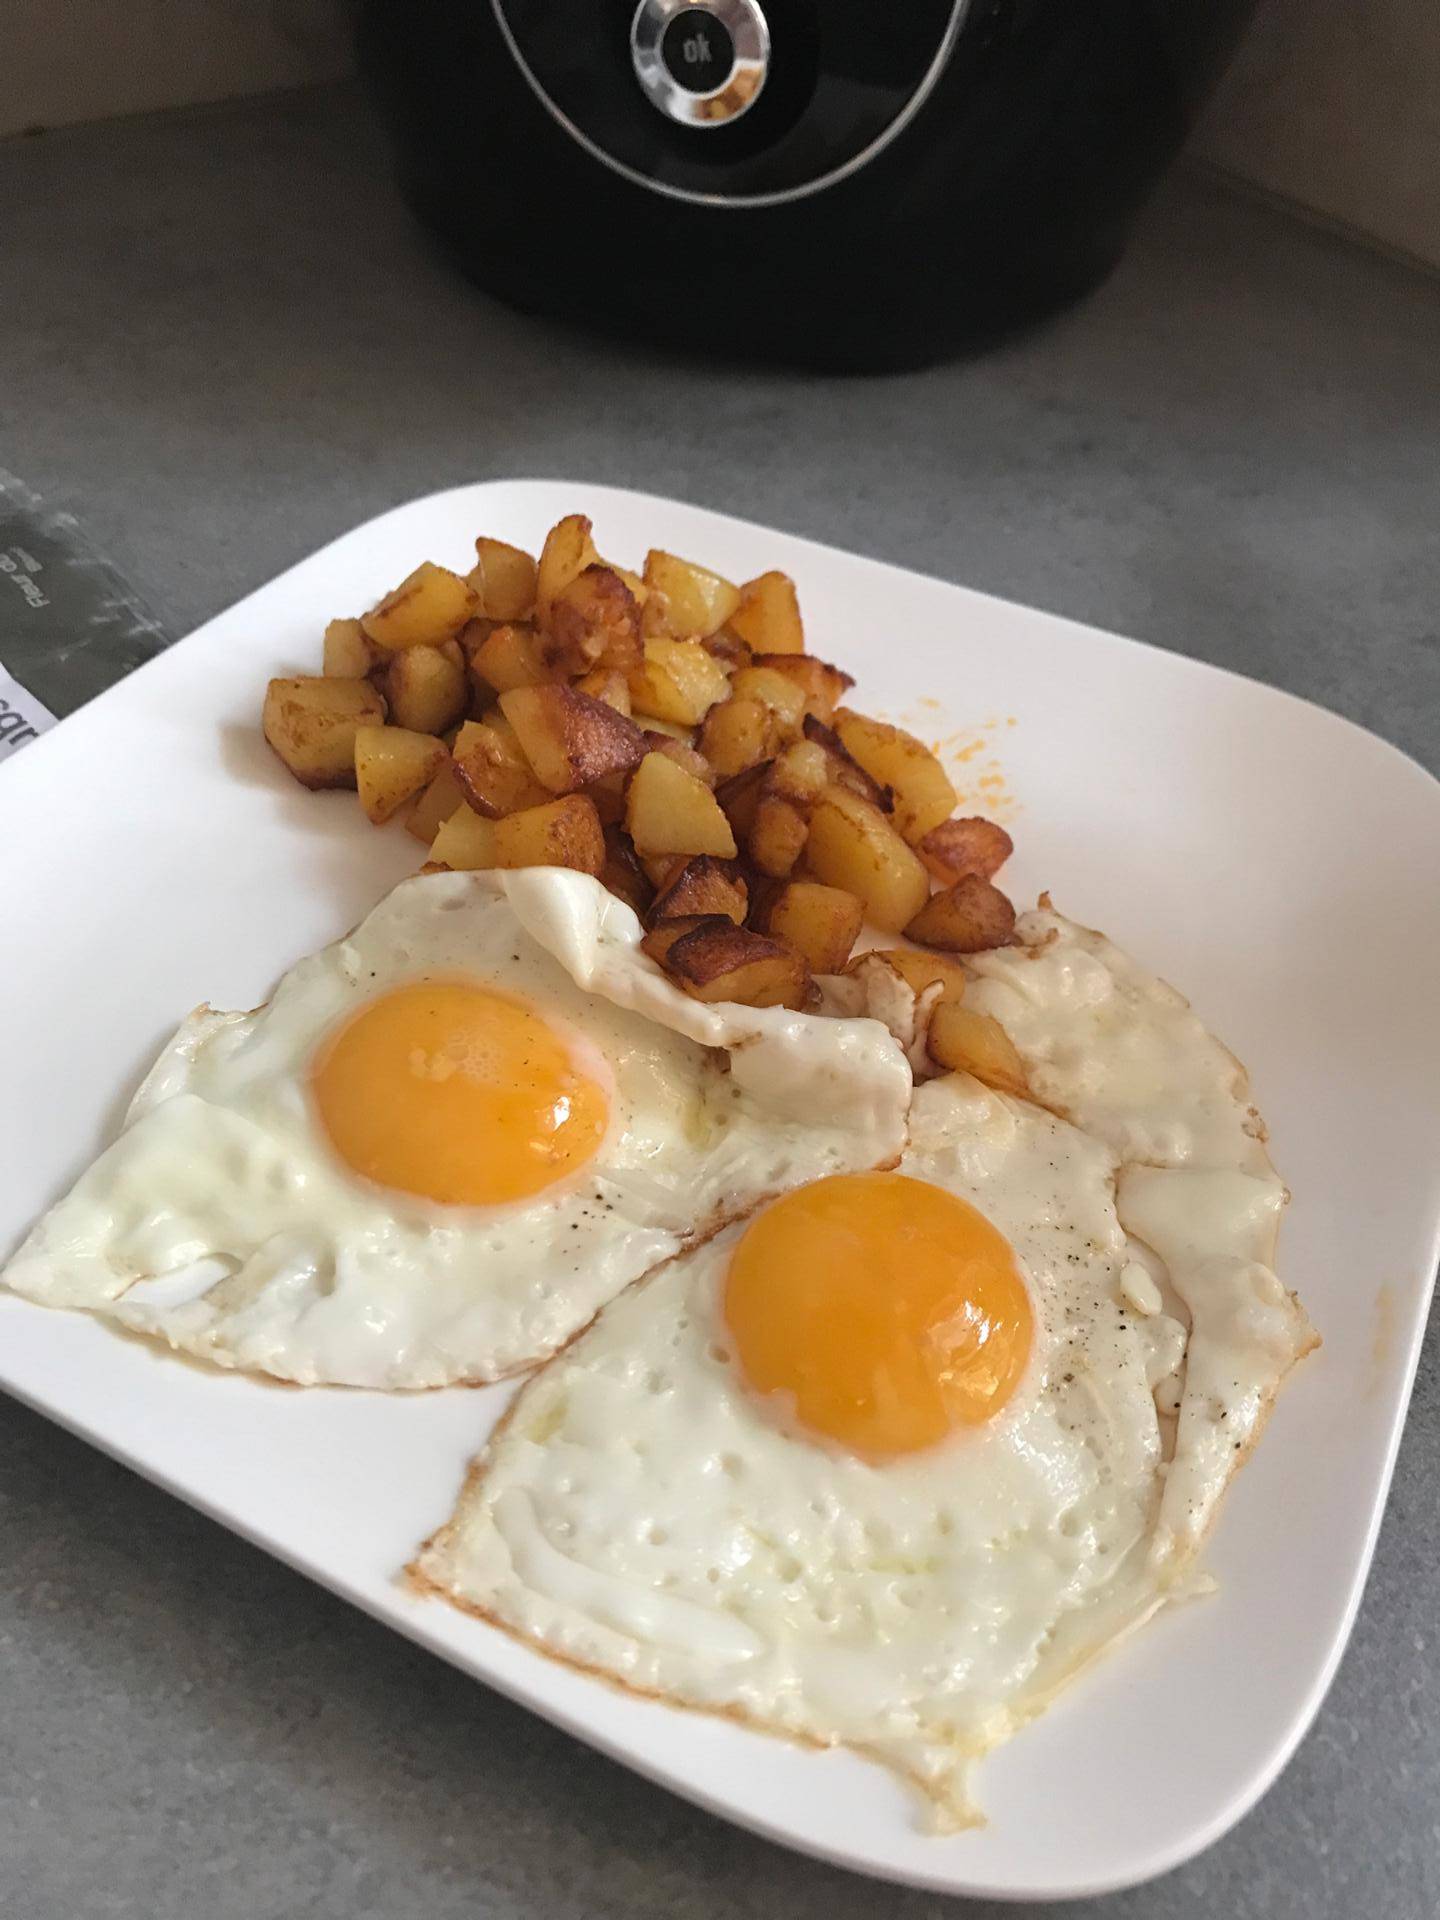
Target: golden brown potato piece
427 688
434 807
348 654
739 797
668 810
845 770
822 687
609 797
728 648
921 970
594 620
464 842
660 868
663 935
311 722
697 601
570 739
509 657
966 918
703 885
768 616
563 833
821 923
492 773
852 845
738 734
430 605
678 681
963 1041
568 550
800 774
774 690
609 685
777 836
718 961
958 847
392 764
503 578
623 874
683 755
896 759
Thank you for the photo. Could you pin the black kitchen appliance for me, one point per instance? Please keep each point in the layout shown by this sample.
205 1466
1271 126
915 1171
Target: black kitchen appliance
839 183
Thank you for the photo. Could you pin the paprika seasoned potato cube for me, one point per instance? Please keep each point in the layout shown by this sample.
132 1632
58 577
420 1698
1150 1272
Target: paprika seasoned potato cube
697 601
348 655
963 1041
569 738
966 918
562 833
703 885
436 804
568 550
426 688
852 845
821 923
896 759
492 773
594 618
718 961
430 605
311 722
958 847
678 681
768 616
503 579
668 810
392 764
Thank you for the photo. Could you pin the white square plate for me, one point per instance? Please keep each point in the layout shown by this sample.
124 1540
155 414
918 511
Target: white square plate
1275 862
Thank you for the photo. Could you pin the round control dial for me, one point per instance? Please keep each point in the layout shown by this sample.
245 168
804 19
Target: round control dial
701 62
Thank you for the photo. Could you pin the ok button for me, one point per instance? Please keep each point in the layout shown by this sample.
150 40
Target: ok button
701 64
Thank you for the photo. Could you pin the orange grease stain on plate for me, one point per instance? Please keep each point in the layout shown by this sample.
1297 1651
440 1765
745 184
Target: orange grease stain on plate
971 759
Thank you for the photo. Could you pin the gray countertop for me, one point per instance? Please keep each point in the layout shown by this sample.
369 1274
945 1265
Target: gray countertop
222 343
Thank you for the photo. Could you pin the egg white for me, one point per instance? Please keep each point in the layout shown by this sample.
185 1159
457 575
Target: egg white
222 1221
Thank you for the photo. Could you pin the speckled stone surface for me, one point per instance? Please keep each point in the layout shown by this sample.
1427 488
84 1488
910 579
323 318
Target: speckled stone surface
221 343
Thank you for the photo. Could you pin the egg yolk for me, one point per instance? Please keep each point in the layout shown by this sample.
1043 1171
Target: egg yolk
450 1090
887 1311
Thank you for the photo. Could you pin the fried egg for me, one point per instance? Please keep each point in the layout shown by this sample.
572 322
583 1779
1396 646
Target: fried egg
888 1464
448 1139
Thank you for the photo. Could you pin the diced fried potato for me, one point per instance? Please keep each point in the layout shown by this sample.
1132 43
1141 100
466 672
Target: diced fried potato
492 772
718 961
668 810
922 970
427 688
728 648
703 885
683 755
697 601
784 699
845 769
569 739
563 833
739 797
963 1041
434 807
768 616
660 868
311 722
430 605
821 923
821 686
677 680
609 797
464 842
348 654
777 836
633 581
736 735
594 619
958 847
672 729
568 550
966 918
623 874
392 764
503 577
662 936
510 657
609 685
852 845
896 759
800 774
